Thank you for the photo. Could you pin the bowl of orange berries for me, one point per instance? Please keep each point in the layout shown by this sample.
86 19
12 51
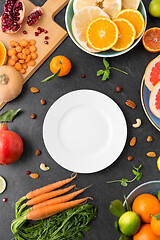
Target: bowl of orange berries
106 28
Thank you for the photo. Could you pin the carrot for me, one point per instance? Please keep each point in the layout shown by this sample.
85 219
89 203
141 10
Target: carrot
47 211
49 187
41 198
60 199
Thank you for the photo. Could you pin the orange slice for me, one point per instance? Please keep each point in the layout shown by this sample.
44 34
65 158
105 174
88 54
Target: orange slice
3 54
151 39
102 34
126 34
135 17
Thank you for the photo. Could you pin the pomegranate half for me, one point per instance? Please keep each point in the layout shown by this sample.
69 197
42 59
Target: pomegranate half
34 16
12 17
11 145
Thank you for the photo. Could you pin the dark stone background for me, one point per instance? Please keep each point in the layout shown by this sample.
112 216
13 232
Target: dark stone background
18 183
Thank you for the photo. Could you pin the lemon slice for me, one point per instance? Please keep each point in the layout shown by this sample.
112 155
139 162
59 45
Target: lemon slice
80 21
158 163
111 7
130 4
2 184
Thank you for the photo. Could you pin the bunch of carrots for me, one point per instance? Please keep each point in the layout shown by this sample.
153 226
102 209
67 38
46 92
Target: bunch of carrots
46 201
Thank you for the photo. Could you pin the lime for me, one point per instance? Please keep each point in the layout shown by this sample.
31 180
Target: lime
129 223
2 184
159 195
154 8
158 163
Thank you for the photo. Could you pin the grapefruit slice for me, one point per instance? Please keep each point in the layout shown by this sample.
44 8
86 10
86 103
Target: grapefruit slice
80 21
152 73
154 100
151 40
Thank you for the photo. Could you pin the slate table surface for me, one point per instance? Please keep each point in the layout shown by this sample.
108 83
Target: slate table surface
18 183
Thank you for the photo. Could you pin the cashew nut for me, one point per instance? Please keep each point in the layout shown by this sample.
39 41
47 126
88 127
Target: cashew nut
43 167
137 124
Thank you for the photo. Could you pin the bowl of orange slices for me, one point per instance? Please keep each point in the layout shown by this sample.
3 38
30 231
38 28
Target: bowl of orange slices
106 28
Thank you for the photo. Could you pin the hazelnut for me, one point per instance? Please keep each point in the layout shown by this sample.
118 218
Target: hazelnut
43 102
38 152
33 116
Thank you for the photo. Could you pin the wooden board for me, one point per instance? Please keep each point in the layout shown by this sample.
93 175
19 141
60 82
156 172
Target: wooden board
55 33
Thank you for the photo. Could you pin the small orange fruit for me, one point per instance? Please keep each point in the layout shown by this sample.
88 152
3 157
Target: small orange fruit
60 62
151 39
155 224
101 34
146 205
135 17
126 34
145 233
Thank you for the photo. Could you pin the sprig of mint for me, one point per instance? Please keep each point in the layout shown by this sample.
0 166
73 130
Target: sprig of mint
124 181
106 72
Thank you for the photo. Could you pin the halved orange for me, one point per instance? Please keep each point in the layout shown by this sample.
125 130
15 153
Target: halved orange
3 54
135 17
151 39
126 36
102 34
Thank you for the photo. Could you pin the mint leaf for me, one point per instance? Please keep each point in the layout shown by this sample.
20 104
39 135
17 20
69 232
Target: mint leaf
139 177
100 72
106 75
106 63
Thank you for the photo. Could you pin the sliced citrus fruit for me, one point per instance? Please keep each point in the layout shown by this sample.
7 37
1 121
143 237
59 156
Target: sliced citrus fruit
126 34
152 73
130 4
151 40
3 54
101 34
154 100
158 165
111 7
80 22
135 17
2 184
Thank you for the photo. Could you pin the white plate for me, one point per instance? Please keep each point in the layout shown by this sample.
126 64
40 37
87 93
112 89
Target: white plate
84 131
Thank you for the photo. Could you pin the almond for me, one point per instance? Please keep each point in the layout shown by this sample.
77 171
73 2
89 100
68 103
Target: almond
131 104
133 141
34 175
34 90
151 154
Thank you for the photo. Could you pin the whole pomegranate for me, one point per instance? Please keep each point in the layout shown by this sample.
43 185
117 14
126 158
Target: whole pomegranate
12 16
11 145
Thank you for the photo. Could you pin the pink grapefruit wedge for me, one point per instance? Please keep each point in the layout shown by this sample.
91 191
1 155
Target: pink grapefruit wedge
152 73
154 100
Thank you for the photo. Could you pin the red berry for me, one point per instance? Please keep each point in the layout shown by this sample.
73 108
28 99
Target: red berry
36 34
25 32
83 75
118 89
28 172
46 42
46 38
5 199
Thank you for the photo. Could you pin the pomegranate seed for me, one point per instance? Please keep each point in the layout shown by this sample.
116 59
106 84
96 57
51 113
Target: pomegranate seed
28 172
25 32
42 30
45 31
83 75
46 38
39 28
36 34
118 89
5 199
46 42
